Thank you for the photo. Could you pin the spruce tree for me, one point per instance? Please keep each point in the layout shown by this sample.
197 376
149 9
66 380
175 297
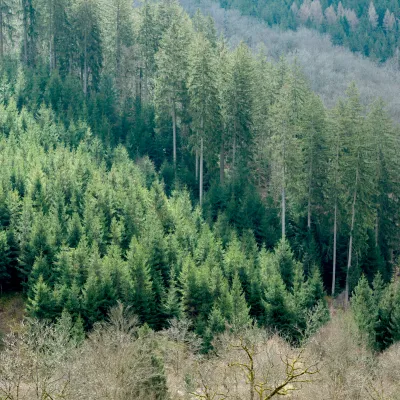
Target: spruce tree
117 32
149 40
172 72
30 32
284 259
359 176
7 13
315 148
286 154
365 310
240 318
5 273
142 296
89 44
204 99
41 304
240 108
172 306
394 324
278 313
333 185
224 71
385 148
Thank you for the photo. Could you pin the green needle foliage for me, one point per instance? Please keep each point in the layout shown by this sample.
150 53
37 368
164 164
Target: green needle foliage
146 162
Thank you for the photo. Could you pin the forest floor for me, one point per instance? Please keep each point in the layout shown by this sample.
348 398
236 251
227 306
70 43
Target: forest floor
12 308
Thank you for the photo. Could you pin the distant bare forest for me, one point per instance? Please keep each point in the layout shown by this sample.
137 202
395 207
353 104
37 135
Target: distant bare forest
330 69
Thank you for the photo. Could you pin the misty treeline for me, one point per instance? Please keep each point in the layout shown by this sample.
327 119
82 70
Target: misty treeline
367 27
247 196
121 360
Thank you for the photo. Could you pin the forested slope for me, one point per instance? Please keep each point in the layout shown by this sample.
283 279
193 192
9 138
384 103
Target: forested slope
329 68
146 161
367 27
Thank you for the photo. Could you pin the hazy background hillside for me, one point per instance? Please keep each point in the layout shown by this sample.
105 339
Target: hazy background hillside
330 69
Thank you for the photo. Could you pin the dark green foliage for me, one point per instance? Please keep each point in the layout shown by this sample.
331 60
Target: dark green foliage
41 303
277 308
376 311
286 263
365 309
5 273
95 210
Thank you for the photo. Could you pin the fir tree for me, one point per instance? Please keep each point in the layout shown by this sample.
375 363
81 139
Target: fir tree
204 99
365 310
4 260
142 296
41 304
240 317
172 70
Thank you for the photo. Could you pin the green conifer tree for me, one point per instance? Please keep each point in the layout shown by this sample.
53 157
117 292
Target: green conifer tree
365 310
240 317
172 71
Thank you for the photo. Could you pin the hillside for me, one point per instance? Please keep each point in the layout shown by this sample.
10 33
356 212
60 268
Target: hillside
329 68
184 216
365 27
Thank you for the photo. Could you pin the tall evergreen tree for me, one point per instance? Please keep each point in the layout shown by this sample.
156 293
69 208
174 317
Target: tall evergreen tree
142 295
240 108
334 182
286 150
5 273
315 146
385 149
7 13
204 101
30 32
359 175
117 31
89 45
240 318
365 310
172 72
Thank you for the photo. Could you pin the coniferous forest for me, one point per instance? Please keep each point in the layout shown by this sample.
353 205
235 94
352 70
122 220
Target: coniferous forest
184 207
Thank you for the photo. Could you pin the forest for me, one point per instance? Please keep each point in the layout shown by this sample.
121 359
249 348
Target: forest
366 27
181 206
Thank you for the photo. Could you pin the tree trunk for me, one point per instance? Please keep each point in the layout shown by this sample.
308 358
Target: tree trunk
283 212
85 67
222 163
1 36
25 22
118 47
377 230
174 134
51 37
201 161
309 196
353 216
284 189
197 164
335 221
141 85
201 171
334 249
234 149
